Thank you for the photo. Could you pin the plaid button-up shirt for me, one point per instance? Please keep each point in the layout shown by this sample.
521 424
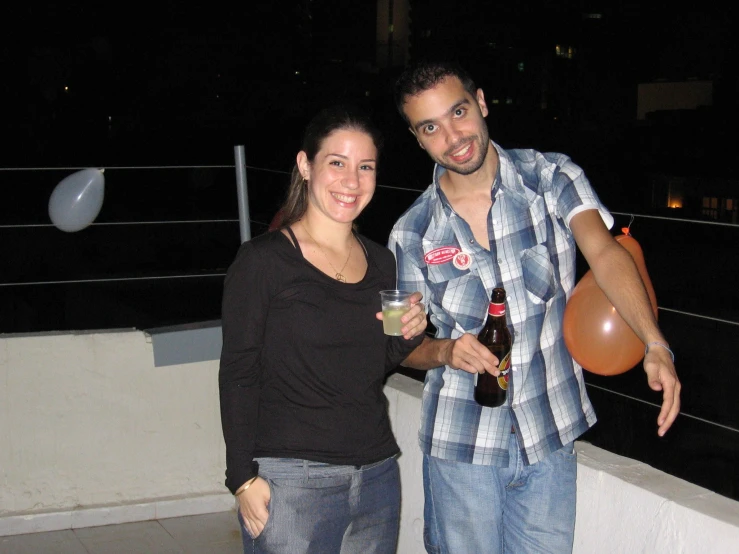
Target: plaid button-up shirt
532 255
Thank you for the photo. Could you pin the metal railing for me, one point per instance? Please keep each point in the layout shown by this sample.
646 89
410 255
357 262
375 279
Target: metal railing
244 199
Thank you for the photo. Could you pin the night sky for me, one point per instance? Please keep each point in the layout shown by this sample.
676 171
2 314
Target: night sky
168 80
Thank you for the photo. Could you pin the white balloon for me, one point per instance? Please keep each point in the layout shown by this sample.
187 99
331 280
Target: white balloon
77 199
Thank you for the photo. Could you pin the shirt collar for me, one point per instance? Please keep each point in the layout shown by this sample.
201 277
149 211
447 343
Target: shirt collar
507 180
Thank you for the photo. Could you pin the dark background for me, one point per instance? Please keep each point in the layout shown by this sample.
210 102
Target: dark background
136 89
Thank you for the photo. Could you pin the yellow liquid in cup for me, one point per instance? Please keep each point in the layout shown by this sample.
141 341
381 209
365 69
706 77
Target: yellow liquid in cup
391 323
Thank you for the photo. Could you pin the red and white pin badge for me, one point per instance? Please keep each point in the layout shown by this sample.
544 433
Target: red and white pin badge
462 260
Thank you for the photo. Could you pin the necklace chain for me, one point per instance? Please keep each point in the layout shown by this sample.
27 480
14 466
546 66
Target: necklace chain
339 275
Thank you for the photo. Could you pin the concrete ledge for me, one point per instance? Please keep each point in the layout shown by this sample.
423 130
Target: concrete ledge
647 509
188 343
20 524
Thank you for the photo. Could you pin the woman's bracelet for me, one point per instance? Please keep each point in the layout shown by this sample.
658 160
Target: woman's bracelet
663 345
245 486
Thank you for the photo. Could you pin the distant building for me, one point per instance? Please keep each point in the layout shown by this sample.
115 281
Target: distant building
696 197
679 119
675 95
393 33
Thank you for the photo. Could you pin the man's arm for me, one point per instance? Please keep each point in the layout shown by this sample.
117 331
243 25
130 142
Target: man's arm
618 277
465 353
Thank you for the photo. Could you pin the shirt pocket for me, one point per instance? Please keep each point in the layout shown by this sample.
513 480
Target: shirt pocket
538 274
461 294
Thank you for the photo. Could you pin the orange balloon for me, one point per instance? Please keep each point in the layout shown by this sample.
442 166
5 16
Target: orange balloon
596 336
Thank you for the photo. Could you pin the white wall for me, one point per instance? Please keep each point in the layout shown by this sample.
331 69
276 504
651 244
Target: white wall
91 433
87 420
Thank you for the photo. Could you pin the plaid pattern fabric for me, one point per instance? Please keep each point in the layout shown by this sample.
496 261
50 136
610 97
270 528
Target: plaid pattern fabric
533 256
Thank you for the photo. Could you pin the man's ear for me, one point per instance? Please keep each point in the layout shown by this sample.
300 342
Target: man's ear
303 165
481 102
416 137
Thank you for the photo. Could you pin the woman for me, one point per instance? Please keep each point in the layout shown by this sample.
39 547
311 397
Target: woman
310 454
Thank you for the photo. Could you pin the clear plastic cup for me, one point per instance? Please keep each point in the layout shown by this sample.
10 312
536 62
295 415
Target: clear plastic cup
395 303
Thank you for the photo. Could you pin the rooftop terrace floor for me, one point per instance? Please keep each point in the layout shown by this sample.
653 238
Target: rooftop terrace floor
216 533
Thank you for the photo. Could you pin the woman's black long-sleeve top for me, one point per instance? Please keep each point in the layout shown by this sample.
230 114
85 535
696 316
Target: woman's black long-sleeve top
304 359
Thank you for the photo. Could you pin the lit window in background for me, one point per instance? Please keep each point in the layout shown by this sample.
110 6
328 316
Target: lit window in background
567 52
674 200
496 101
710 207
520 67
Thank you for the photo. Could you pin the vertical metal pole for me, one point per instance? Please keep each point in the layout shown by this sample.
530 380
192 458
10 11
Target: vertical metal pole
243 195
390 32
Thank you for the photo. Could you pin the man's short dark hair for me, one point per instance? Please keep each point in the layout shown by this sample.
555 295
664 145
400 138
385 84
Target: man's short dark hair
426 74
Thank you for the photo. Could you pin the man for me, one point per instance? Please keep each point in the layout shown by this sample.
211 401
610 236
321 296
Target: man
503 479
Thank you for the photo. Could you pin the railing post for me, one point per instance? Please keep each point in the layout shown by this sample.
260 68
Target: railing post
243 195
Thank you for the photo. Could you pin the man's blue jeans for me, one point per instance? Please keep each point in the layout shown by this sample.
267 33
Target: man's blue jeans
492 510
328 509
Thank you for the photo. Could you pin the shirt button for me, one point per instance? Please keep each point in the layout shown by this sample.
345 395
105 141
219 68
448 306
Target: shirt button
472 241
500 261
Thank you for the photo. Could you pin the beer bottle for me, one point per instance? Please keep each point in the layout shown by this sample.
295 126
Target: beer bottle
491 390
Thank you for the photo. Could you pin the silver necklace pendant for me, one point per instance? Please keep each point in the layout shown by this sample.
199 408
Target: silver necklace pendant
340 277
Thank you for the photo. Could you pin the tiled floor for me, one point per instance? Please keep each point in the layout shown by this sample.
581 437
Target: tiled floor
204 534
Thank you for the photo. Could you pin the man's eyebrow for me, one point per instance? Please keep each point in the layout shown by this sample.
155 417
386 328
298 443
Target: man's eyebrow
463 102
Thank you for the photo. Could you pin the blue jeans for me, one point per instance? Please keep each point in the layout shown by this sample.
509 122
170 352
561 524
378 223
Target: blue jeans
324 508
491 510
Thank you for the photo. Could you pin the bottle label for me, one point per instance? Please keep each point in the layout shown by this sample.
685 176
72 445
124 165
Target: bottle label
504 366
496 309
